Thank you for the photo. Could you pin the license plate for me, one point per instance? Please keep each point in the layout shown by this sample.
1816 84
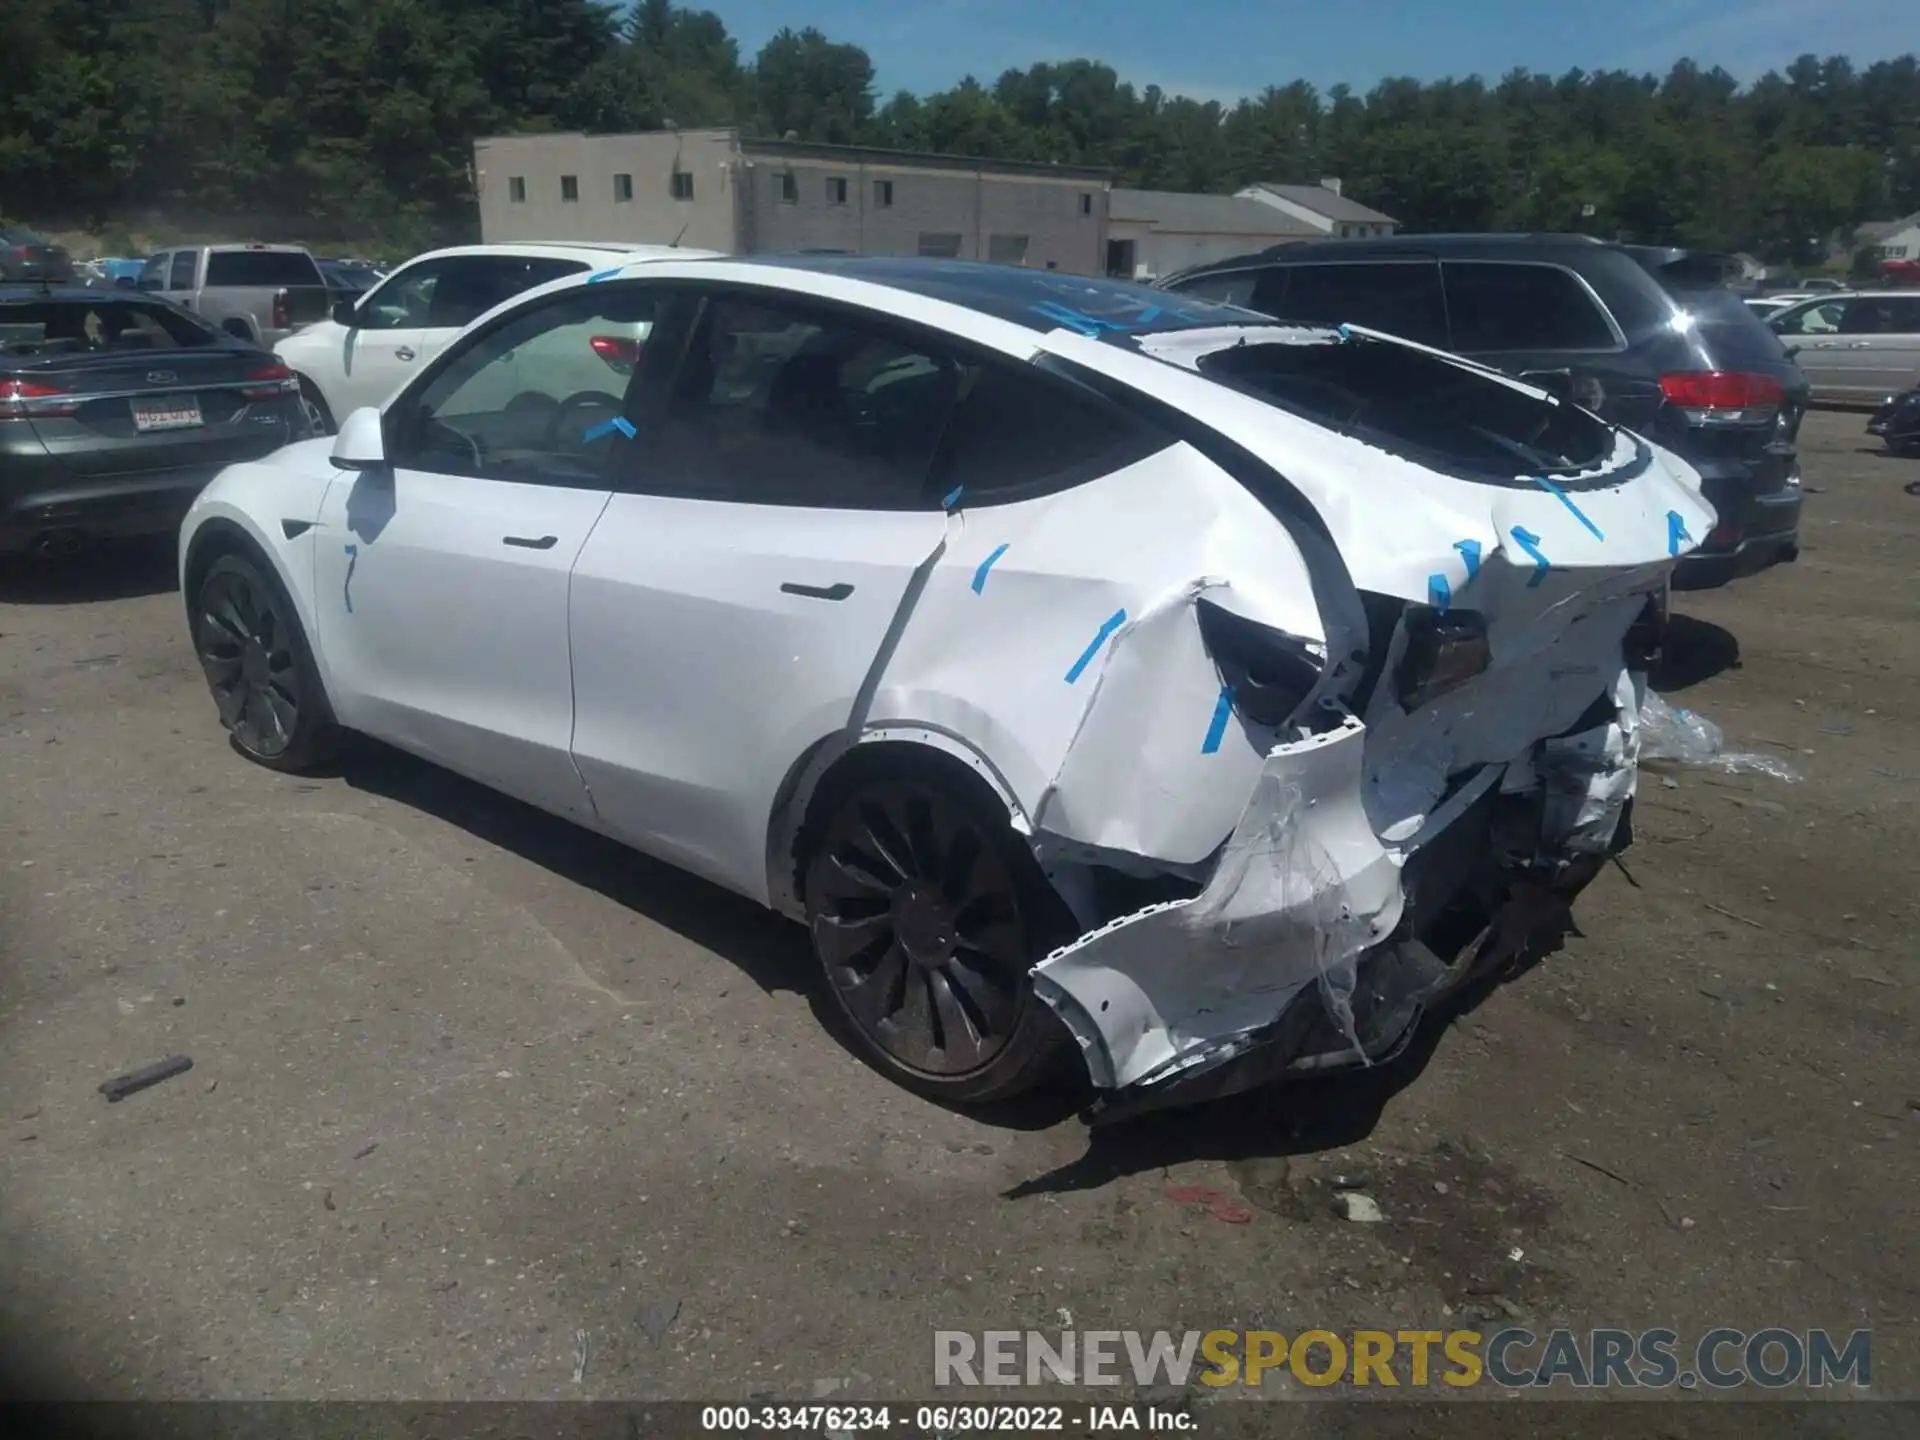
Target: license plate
168 414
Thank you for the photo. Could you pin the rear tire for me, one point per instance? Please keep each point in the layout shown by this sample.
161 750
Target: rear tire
259 667
927 914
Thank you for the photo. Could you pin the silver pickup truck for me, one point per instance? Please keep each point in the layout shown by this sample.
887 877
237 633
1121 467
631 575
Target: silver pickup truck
261 293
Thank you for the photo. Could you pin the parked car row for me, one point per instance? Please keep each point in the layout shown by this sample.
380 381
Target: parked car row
563 472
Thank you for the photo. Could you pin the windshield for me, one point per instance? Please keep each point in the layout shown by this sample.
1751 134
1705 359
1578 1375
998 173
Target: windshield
48 327
1409 402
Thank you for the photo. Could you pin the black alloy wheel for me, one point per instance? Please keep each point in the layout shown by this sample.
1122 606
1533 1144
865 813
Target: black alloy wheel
927 914
255 657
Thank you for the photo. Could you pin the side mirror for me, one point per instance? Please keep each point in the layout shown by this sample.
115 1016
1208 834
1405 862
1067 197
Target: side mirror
360 445
346 313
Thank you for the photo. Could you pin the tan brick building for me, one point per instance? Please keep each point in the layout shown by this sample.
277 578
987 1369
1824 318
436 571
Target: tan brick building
716 189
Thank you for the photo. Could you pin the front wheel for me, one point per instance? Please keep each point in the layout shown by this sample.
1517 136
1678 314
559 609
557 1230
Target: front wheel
927 914
259 668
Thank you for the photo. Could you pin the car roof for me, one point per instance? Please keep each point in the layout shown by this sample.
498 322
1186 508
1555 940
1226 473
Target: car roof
29 291
1564 248
587 252
1038 300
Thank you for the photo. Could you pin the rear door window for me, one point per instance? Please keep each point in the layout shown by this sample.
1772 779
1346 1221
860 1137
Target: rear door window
470 285
1401 297
261 269
786 405
1495 306
1232 287
47 327
1017 433
1881 315
184 264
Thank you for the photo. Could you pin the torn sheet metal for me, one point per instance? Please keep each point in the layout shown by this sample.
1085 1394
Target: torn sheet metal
1590 777
1302 889
1058 635
1392 517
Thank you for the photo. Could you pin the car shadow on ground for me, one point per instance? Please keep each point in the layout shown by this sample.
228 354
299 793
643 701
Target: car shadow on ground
1694 650
1292 1117
770 950
120 570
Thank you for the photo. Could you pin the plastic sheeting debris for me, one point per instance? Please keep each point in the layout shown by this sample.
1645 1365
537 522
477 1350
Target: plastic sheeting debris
1672 735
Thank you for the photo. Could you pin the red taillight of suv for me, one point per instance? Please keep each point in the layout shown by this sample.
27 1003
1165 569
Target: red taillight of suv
617 350
25 400
282 311
1723 397
269 381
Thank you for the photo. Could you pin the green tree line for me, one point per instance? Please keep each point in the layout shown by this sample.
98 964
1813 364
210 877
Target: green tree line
356 118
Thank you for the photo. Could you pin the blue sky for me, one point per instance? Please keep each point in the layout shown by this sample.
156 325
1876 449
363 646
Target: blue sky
1221 49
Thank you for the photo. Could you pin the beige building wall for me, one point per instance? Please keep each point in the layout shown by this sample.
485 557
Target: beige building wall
536 208
766 197
908 209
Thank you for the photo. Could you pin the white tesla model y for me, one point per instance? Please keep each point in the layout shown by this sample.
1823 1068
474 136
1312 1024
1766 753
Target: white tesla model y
1099 674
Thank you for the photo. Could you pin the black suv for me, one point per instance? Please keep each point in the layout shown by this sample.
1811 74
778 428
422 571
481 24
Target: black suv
1647 338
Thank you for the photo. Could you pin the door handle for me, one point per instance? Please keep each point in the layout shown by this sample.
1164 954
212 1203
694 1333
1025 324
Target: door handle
405 352
1861 345
529 542
818 592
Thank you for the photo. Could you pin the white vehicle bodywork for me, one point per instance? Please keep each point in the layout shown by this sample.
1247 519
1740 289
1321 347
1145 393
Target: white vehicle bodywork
353 366
647 677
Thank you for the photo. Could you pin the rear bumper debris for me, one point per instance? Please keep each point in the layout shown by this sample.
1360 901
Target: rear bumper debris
1308 949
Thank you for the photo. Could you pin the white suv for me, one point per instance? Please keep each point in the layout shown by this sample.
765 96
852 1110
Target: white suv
372 346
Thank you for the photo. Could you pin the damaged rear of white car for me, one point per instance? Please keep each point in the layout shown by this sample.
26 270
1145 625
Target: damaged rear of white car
1311 715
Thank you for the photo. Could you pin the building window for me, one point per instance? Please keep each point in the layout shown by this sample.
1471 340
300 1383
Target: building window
517 189
1086 203
623 188
883 194
681 184
1007 249
939 245
836 190
789 188
570 189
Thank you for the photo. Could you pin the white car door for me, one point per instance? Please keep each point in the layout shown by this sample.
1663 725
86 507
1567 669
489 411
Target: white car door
772 511
1811 331
406 321
441 580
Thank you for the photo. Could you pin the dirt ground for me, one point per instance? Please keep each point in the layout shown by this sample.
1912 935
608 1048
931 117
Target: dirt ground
468 1084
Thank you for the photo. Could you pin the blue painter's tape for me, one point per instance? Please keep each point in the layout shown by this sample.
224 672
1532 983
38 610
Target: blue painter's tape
951 498
1676 533
1469 552
1217 727
1439 593
1147 316
1112 623
599 275
346 588
1075 319
980 575
607 427
1567 500
1530 542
